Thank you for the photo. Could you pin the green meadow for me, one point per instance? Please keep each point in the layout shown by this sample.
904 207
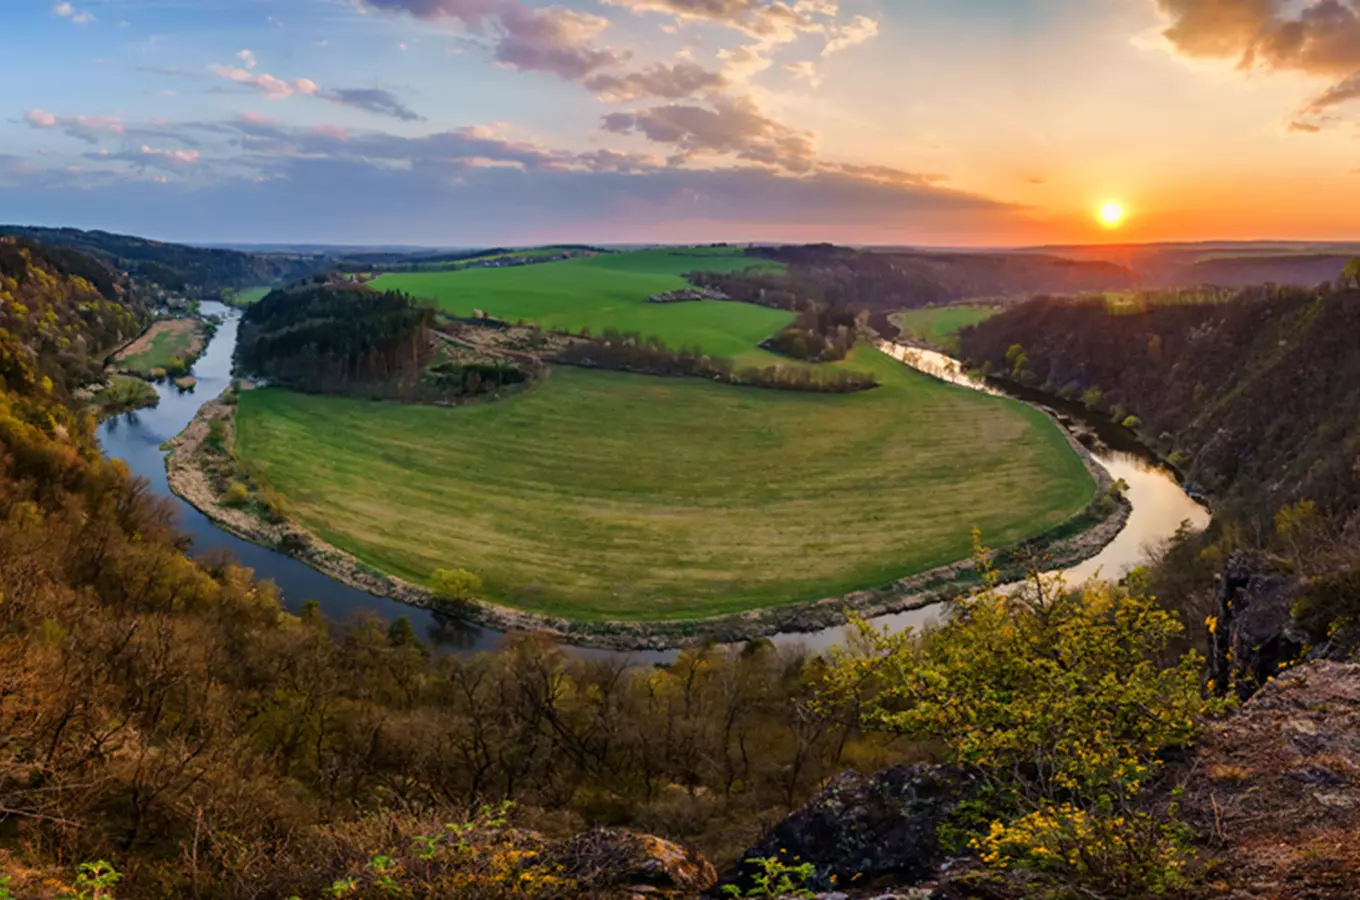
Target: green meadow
610 291
606 496
940 326
161 345
247 296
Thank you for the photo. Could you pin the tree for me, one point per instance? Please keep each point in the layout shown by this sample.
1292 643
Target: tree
1351 274
456 585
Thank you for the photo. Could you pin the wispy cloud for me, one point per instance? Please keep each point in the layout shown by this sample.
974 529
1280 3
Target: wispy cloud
85 128
272 88
373 100
67 11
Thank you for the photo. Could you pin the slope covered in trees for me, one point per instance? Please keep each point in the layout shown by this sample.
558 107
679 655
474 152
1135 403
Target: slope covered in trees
1255 398
176 267
60 314
890 280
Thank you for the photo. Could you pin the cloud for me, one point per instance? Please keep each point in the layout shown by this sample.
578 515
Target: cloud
430 201
1303 127
67 11
1342 92
85 128
733 126
758 18
859 30
173 157
272 88
1319 37
373 100
672 82
247 59
806 70
551 39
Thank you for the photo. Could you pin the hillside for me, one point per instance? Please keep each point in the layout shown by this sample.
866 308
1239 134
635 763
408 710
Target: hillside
1255 397
176 267
60 314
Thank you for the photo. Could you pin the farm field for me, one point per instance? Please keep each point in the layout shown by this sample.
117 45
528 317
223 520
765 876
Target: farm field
248 296
164 341
604 496
609 291
940 327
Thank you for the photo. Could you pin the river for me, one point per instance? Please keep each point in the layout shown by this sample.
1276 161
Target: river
1159 506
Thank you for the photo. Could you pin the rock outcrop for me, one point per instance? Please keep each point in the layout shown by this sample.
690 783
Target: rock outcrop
1275 789
639 865
1254 634
865 832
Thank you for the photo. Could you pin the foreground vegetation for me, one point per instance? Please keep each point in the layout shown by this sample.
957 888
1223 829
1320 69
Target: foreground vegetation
607 496
608 291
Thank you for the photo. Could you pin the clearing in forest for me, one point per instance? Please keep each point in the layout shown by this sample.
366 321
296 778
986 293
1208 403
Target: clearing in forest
247 296
601 495
161 345
940 326
610 290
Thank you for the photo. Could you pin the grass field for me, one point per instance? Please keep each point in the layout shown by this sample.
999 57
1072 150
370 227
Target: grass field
609 291
163 341
249 295
940 327
600 495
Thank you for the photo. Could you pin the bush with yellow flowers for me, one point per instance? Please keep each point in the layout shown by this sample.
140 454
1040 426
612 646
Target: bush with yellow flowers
1059 703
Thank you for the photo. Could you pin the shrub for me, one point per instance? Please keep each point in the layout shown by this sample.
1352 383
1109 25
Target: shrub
275 503
775 879
216 439
1130 855
1059 702
457 585
1132 422
237 494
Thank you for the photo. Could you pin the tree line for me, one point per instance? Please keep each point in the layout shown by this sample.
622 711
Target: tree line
631 352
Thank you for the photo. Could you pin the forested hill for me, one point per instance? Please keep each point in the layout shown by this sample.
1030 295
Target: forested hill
889 280
1257 398
176 267
60 314
333 335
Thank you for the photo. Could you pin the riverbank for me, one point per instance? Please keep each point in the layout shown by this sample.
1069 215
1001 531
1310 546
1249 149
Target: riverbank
195 473
166 349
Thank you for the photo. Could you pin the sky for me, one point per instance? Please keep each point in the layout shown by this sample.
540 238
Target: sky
489 122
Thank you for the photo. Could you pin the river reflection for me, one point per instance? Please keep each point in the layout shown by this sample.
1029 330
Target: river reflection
1159 508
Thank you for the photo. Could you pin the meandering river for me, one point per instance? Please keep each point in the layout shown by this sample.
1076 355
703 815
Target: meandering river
1159 504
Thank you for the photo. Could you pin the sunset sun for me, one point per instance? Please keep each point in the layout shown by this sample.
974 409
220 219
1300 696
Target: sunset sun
1112 214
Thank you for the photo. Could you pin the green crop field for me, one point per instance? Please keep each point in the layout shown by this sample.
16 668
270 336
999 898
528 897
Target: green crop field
249 296
940 327
610 291
601 495
163 342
